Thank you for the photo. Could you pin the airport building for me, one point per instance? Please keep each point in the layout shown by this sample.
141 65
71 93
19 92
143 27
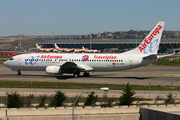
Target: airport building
112 45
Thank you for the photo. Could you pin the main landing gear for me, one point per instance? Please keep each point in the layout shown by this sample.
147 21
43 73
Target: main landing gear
19 72
77 74
86 74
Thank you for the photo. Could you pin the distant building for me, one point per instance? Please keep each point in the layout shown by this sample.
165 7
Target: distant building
114 44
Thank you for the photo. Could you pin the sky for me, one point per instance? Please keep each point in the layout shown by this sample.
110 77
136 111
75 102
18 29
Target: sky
77 17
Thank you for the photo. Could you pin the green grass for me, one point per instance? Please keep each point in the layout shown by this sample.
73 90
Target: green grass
165 61
55 85
5 57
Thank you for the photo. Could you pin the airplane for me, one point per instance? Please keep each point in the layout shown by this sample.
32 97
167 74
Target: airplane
45 49
90 51
74 63
63 49
74 49
79 50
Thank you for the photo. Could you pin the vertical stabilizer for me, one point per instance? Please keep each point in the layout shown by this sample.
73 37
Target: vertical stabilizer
37 46
56 46
83 48
150 45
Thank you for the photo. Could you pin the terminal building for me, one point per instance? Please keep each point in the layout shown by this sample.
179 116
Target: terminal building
113 45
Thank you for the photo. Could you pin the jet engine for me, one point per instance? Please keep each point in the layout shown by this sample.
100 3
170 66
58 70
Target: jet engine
55 70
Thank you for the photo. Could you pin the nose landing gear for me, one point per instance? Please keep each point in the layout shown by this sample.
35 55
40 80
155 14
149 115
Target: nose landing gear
19 72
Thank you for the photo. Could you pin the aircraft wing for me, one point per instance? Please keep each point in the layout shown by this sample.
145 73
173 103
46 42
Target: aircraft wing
85 67
72 65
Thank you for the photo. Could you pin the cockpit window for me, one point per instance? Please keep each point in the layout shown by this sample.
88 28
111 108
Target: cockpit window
11 59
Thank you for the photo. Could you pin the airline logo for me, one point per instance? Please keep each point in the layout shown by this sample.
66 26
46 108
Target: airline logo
85 58
148 40
105 57
32 60
152 46
51 57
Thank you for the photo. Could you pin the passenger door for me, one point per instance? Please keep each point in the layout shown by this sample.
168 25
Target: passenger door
130 61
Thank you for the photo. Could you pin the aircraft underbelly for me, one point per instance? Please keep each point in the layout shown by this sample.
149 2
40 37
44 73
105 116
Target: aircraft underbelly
110 68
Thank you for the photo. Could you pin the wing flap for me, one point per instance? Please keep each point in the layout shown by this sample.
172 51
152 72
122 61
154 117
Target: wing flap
85 67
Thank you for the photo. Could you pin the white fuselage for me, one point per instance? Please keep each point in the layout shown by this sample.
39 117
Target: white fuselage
99 62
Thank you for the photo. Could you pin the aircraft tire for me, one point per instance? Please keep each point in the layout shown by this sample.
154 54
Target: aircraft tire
76 75
19 72
86 74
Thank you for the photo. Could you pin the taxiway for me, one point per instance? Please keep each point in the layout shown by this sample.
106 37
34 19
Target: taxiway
139 76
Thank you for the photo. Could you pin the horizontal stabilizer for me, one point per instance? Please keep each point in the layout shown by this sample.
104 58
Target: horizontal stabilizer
151 57
161 56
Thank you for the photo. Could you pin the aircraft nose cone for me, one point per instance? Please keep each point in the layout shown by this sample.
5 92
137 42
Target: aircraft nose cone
5 63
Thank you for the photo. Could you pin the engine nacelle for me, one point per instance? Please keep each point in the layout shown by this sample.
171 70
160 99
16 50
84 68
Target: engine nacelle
53 70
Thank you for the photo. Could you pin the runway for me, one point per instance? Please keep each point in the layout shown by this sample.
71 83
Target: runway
139 76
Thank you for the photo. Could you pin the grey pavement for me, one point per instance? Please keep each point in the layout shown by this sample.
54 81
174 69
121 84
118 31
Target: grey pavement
138 76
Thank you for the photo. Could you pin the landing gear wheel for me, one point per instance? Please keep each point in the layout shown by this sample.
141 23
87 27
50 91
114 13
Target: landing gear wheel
19 72
86 74
76 75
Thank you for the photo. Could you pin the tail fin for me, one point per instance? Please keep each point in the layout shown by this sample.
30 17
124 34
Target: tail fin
56 46
150 45
37 46
83 48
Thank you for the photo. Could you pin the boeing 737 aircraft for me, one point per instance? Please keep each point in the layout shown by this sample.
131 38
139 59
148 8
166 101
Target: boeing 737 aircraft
74 63
90 51
74 49
45 49
63 49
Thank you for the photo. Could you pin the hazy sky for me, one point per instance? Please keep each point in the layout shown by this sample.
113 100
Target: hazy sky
65 17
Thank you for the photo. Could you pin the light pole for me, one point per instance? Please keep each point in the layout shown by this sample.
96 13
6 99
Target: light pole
149 91
90 40
104 88
20 41
171 87
53 38
136 38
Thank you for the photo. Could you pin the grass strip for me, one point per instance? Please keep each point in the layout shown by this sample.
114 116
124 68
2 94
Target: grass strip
63 85
165 61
